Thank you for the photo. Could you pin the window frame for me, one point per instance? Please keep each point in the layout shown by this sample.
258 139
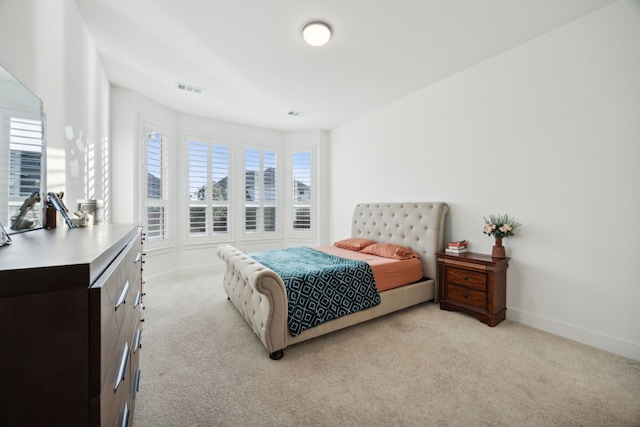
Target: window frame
209 203
293 203
261 204
164 201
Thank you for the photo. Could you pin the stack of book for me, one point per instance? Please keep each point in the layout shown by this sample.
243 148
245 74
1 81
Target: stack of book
456 247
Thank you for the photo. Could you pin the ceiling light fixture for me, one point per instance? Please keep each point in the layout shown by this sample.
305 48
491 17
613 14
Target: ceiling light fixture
316 33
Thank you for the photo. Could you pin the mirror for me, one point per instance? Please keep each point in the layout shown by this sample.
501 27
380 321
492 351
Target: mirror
22 156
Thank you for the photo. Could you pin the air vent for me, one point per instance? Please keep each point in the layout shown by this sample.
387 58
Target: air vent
189 88
295 114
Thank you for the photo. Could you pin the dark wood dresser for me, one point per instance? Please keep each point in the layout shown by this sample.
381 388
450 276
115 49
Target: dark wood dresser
474 283
70 326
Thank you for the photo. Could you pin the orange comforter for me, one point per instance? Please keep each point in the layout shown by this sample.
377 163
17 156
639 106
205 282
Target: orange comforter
388 273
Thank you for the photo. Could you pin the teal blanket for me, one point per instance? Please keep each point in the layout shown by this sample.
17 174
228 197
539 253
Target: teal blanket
320 287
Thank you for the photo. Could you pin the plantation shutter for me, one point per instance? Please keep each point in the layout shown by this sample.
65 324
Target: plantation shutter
302 191
261 191
252 190
208 188
270 191
157 194
198 178
220 188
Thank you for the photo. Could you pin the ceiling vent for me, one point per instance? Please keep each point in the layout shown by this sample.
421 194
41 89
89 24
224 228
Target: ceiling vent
189 88
296 114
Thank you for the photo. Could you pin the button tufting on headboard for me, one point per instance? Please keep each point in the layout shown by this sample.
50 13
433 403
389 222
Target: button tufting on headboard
407 224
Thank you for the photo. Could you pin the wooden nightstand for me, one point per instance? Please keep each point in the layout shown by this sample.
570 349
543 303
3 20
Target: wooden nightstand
474 283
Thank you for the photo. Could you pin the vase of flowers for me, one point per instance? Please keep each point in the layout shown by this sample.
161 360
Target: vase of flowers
499 226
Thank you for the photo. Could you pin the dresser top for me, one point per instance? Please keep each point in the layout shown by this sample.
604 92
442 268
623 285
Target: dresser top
91 248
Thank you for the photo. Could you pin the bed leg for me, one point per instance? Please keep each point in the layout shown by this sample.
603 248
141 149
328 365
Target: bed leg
276 355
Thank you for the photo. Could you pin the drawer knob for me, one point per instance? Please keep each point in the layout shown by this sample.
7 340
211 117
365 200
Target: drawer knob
465 295
465 278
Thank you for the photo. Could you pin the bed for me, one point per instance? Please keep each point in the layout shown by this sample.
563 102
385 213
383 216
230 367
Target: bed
259 293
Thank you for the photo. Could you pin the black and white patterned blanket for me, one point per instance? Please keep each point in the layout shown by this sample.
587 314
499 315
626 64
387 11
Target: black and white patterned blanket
320 287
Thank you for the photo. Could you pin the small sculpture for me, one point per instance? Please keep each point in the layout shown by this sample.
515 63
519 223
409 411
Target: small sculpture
56 202
19 220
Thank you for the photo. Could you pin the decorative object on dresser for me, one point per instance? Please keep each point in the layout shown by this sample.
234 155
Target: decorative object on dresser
55 200
71 313
457 247
474 283
260 295
499 226
19 221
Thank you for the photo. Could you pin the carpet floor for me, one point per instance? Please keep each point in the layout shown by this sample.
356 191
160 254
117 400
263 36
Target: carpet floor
202 366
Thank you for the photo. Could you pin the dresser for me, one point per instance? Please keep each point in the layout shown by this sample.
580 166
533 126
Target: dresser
474 283
70 326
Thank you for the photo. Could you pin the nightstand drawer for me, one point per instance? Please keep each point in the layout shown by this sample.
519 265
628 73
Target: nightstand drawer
467 296
468 278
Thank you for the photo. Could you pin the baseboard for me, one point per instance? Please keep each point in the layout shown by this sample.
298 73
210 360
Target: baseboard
595 339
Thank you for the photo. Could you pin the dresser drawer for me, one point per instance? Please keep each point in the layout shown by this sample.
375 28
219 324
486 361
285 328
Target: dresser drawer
468 278
467 296
115 392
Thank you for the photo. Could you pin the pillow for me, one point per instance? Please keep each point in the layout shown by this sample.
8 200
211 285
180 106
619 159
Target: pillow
389 250
354 243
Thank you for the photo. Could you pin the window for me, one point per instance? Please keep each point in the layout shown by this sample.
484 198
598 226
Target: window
155 179
24 173
261 194
301 185
208 188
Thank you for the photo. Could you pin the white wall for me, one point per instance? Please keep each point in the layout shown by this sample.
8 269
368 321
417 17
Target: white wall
548 132
46 46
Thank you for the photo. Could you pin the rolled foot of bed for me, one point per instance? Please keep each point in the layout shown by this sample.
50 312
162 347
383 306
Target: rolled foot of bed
276 355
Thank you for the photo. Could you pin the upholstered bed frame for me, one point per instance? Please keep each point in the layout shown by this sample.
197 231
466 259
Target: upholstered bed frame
260 296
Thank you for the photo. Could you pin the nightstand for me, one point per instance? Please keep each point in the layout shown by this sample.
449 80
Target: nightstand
474 283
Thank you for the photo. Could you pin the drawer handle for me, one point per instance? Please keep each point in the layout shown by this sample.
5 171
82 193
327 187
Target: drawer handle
123 366
137 345
136 383
138 257
125 416
123 295
138 298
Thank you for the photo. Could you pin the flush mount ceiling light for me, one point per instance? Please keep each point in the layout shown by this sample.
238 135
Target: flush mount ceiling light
316 33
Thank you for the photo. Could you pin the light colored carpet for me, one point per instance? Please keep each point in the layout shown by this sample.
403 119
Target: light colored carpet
202 366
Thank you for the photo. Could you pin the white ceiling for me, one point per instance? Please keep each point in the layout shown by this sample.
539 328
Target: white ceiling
254 67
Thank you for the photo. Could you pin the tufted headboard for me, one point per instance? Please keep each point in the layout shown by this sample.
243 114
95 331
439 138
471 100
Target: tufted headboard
419 226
